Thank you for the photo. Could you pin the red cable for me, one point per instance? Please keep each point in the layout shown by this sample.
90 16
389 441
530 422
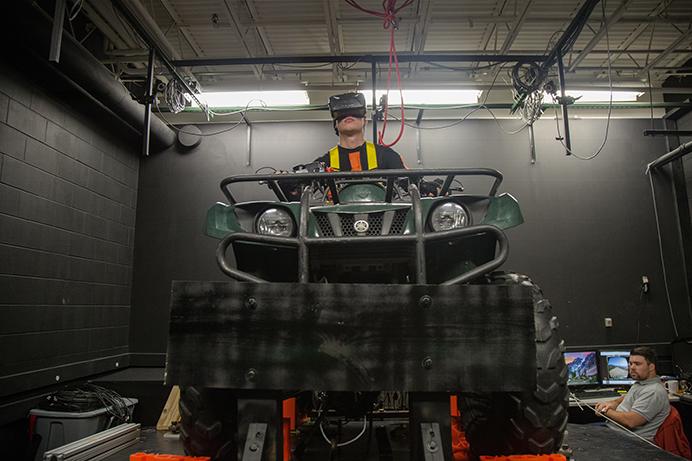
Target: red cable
389 17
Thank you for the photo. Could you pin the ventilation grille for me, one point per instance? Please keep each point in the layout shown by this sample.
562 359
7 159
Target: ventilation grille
377 223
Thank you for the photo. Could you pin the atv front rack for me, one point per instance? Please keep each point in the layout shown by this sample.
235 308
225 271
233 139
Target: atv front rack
274 181
303 242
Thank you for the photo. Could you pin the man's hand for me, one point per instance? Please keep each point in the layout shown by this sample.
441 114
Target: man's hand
602 408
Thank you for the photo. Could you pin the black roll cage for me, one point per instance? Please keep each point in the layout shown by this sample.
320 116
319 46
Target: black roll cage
330 179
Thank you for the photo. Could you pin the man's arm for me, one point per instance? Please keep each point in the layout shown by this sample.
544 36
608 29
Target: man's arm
609 404
629 419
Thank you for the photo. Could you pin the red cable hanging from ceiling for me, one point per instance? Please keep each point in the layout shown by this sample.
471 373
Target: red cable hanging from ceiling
390 22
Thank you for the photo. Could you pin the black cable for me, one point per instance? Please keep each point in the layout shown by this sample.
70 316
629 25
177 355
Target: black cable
88 397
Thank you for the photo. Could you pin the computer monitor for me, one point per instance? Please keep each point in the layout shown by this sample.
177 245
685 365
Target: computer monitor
582 368
615 367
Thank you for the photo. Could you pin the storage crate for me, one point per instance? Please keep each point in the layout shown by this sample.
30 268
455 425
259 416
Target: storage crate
57 428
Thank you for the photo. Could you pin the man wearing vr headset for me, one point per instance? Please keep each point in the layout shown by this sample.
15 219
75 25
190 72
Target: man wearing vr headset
353 153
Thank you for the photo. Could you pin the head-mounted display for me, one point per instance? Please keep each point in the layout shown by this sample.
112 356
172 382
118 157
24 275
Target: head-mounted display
347 104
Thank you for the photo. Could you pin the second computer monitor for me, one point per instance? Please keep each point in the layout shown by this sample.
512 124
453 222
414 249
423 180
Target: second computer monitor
615 367
582 368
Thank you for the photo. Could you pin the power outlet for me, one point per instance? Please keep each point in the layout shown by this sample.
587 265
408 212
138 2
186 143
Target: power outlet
645 284
608 322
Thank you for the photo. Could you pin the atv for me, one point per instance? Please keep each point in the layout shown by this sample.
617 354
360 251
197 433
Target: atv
350 286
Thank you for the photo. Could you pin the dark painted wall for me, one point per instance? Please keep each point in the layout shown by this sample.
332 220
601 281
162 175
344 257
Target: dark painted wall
68 190
589 235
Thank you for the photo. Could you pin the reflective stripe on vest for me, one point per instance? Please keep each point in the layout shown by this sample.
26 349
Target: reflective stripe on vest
369 148
334 158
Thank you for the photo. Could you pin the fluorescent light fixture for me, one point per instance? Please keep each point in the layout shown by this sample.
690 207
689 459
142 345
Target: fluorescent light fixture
420 97
256 98
602 96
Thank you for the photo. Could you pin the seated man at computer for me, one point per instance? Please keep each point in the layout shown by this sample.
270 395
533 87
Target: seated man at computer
645 406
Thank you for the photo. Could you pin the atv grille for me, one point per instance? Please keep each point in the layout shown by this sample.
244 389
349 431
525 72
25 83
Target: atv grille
324 225
379 223
397 227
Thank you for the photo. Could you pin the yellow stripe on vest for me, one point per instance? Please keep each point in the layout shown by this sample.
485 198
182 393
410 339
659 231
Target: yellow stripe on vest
372 155
334 157
369 148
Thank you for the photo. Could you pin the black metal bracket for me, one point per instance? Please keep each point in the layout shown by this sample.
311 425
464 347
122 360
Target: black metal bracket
148 100
563 103
254 442
432 442
56 33
667 132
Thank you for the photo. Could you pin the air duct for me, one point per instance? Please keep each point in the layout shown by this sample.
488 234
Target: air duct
30 28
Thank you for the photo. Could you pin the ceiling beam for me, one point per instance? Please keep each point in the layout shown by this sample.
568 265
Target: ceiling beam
421 30
456 18
514 32
655 13
184 30
610 22
512 35
664 54
232 17
335 40
492 23
261 31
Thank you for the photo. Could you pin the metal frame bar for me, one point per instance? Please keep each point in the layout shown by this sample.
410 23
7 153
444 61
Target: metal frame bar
366 58
668 157
667 132
638 31
455 18
512 35
563 104
148 99
185 30
373 71
335 43
56 32
261 32
235 21
664 54
683 216
424 25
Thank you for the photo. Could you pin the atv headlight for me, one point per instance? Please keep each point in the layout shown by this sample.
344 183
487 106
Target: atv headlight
448 216
275 221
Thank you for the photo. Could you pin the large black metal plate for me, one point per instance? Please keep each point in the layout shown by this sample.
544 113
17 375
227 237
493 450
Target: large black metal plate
352 337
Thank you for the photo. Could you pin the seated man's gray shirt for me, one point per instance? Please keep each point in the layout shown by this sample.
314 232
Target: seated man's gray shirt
649 399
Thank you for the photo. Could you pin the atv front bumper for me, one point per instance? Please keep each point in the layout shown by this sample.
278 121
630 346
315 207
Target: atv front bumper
417 240
352 337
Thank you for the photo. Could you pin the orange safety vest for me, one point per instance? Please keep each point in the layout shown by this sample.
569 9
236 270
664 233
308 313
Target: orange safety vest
355 166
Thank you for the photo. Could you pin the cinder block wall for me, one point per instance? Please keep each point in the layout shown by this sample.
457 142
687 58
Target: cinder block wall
68 190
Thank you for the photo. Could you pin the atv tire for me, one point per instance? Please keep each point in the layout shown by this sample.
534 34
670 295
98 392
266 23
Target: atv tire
207 422
523 422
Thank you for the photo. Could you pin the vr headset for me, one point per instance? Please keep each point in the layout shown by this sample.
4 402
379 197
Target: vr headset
347 104
344 105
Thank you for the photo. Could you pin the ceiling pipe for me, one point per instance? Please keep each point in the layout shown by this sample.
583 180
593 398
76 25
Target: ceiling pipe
81 67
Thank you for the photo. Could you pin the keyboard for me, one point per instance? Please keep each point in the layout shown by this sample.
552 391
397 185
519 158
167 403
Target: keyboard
597 394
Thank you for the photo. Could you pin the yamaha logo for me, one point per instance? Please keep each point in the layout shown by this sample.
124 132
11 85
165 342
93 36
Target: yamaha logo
361 226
